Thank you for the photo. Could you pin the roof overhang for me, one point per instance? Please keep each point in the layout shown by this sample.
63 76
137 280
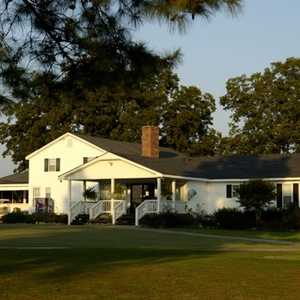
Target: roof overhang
110 158
14 186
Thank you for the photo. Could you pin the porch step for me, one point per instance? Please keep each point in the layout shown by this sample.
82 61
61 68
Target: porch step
128 219
102 219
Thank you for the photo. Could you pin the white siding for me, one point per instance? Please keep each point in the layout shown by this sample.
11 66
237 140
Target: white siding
71 151
111 166
211 196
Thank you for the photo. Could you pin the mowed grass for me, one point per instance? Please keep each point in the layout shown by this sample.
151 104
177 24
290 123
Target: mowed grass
292 236
102 262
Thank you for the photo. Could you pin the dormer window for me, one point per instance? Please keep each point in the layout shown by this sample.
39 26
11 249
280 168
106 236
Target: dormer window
52 164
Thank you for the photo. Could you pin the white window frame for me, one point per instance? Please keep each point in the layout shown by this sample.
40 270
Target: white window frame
234 191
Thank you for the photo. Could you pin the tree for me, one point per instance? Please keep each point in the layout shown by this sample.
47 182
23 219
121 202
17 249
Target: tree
72 65
52 33
265 110
118 113
187 118
256 195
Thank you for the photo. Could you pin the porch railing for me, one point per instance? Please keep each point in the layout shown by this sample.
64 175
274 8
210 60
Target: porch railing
75 210
151 207
146 207
101 207
119 209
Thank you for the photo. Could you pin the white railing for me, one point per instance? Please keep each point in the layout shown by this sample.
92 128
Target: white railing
101 207
75 210
146 207
119 209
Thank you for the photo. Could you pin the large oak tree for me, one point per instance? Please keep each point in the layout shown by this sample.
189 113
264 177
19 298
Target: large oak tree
265 110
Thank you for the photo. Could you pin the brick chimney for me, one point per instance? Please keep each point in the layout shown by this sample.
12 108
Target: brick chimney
150 141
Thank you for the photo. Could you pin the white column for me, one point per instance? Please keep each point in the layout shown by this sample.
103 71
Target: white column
84 189
174 195
99 190
112 203
69 200
158 194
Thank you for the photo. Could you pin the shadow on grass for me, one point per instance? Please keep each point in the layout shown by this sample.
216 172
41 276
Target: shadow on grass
91 249
94 250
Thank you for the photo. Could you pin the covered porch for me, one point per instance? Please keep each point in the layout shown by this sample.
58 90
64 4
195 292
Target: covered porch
118 187
13 198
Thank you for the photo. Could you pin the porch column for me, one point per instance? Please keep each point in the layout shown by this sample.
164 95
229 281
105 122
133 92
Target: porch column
112 204
70 200
99 190
84 189
174 195
158 194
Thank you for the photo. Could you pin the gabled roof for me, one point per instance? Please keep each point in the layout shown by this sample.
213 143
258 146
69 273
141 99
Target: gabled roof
20 178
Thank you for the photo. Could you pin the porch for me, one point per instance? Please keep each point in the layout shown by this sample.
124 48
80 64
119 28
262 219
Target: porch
137 197
13 200
120 186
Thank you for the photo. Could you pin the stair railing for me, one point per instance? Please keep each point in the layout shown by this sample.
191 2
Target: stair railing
146 207
119 209
75 210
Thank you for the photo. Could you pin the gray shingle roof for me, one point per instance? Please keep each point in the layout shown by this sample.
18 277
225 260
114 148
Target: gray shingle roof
172 162
19 178
124 148
231 167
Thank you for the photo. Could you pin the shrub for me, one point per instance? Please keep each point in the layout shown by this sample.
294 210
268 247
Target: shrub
205 221
81 219
23 217
232 218
15 217
167 220
49 218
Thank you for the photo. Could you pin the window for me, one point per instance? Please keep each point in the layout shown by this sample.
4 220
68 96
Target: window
235 189
87 159
232 190
287 195
228 191
52 164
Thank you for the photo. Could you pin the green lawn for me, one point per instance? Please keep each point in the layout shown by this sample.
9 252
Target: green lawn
100 262
293 236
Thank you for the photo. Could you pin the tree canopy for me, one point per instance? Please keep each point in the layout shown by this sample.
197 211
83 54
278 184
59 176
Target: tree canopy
265 110
72 65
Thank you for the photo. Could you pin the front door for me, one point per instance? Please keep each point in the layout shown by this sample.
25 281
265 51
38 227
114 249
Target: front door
139 193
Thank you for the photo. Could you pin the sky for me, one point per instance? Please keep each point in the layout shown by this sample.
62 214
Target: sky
224 47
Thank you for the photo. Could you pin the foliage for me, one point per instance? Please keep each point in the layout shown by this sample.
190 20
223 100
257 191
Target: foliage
256 195
117 114
15 217
51 33
81 219
23 217
72 65
90 193
281 219
186 119
232 218
265 110
168 220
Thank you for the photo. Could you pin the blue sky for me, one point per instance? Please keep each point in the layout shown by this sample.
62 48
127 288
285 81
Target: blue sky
224 47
